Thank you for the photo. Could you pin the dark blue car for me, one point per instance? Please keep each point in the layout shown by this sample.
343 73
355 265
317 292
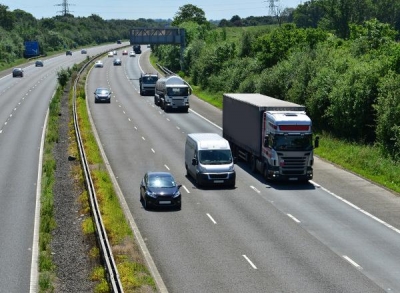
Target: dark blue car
159 189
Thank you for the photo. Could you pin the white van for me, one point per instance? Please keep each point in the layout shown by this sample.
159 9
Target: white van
208 159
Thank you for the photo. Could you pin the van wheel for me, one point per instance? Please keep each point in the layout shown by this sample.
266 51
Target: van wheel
187 171
198 181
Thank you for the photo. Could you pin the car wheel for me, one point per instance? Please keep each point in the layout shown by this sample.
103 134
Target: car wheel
146 205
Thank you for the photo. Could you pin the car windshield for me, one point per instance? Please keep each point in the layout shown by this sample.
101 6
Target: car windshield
102 91
215 157
177 91
292 142
161 181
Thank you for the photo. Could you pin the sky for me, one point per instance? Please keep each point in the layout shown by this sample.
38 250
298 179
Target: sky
153 9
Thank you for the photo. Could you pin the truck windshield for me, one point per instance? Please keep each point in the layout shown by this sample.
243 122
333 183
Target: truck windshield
215 157
292 142
177 91
149 79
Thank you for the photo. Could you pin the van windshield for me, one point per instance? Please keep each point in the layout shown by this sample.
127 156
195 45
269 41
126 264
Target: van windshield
215 157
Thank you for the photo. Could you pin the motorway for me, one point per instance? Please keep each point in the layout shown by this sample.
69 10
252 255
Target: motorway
339 233
23 108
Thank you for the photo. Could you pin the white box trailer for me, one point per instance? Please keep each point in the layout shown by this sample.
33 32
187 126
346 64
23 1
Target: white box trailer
273 135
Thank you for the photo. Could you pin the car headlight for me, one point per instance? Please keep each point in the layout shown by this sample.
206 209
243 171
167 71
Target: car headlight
151 194
176 194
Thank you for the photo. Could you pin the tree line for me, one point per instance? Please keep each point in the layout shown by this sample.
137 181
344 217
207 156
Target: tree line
349 83
339 58
60 32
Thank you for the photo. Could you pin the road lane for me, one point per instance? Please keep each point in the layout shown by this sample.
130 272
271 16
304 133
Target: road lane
192 253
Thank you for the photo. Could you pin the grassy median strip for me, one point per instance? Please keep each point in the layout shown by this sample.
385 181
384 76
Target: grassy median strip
47 222
133 272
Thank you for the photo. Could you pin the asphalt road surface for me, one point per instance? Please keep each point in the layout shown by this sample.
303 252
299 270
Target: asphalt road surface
339 233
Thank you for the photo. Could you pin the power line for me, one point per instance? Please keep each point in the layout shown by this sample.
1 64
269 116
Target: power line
65 7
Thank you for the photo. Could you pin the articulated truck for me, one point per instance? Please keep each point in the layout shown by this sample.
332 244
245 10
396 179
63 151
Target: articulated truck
273 135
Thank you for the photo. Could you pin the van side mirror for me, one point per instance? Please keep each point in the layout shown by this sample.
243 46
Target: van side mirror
194 162
316 142
235 159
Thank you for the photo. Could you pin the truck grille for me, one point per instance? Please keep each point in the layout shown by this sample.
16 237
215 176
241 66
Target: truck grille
294 165
178 102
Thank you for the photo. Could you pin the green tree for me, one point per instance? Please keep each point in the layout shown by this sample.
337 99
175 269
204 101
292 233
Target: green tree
189 12
388 115
7 18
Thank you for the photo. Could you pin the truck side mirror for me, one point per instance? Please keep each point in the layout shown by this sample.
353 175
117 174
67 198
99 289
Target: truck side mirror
194 162
266 140
316 142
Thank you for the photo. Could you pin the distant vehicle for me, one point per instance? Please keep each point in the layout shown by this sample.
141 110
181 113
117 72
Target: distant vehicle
119 42
132 54
147 83
98 64
117 62
31 49
39 63
102 95
172 92
18 72
137 49
83 51
209 160
124 52
159 189
115 52
110 54
69 52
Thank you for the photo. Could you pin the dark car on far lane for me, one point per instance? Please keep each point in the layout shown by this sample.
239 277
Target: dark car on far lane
159 189
18 72
39 63
102 95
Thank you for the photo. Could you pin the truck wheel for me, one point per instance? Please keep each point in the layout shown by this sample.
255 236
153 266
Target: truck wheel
265 172
253 164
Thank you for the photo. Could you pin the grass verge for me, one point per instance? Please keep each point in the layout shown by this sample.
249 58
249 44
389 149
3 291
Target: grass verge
132 268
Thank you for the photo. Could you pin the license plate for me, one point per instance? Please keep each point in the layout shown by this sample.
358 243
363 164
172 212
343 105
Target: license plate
293 179
218 181
164 202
